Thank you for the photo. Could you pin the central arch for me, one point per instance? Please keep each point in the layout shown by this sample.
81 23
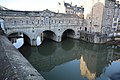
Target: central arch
69 33
45 34
49 34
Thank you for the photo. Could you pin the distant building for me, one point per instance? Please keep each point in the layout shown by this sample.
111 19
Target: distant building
70 9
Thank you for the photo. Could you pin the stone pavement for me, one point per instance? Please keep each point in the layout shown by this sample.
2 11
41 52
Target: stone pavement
13 66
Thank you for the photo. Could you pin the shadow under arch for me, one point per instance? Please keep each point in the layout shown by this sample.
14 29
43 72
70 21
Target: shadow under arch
68 33
18 38
49 35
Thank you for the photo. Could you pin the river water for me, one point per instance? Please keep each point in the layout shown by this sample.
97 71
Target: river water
74 60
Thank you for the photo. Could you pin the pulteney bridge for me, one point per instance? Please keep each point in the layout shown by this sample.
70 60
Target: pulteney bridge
36 24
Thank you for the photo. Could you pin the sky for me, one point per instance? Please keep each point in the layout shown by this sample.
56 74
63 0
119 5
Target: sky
36 5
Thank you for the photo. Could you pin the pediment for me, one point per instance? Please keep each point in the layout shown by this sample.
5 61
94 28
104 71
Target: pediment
47 13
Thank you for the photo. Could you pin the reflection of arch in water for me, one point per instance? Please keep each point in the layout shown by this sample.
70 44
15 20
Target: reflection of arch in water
68 33
67 44
47 48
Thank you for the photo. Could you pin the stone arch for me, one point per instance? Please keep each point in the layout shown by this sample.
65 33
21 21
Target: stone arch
49 34
68 33
19 32
45 34
25 37
2 24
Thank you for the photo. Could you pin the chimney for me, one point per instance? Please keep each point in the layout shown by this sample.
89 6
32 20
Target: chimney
71 3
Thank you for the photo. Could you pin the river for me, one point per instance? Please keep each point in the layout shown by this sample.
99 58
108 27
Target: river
74 60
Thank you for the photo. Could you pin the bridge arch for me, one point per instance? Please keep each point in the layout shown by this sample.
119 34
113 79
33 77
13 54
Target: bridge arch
2 24
45 34
27 34
18 38
68 33
49 34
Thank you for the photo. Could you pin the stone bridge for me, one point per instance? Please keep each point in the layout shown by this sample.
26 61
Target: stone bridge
36 24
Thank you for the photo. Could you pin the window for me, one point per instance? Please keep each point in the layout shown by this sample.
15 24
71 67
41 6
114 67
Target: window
51 21
90 22
69 21
59 21
85 29
47 20
114 24
41 21
114 29
115 19
38 21
26 21
80 28
118 22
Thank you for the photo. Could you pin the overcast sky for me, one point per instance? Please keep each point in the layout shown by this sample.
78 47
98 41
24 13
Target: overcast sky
36 4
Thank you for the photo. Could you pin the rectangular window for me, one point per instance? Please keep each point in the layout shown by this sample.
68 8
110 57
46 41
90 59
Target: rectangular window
118 22
114 24
38 21
46 20
51 21
26 21
14 22
41 21
59 21
115 19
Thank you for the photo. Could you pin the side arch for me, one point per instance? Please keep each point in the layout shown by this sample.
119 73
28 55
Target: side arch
18 38
11 32
2 27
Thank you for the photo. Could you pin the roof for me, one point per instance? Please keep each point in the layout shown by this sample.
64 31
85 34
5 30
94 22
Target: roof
75 8
3 8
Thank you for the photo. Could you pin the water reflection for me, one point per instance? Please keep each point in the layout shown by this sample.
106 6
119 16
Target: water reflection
18 43
74 60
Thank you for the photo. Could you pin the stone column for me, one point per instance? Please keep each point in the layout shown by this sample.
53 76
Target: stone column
58 39
33 42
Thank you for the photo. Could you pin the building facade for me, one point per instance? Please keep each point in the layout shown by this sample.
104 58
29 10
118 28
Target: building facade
98 19
68 8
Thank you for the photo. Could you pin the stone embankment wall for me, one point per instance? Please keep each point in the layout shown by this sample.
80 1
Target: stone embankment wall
13 66
93 37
